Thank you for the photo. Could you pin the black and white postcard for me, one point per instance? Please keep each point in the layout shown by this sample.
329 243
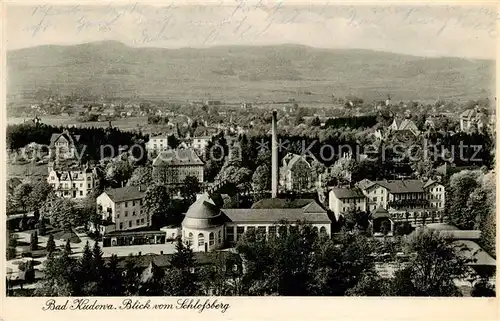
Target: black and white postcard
249 159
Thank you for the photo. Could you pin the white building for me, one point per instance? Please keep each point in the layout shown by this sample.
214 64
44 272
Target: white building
206 227
200 143
296 173
157 143
203 225
265 214
473 117
404 197
121 209
72 183
64 145
341 200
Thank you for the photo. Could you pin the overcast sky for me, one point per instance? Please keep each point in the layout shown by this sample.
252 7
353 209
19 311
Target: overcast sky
423 31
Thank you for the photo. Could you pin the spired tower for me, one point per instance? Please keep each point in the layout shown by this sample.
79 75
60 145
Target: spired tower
274 156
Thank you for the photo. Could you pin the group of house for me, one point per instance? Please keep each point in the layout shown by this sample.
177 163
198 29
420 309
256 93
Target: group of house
392 200
208 225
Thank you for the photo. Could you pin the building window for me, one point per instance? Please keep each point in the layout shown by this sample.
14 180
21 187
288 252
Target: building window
322 230
282 230
129 223
211 239
133 203
88 185
220 238
81 193
240 230
142 221
201 239
230 233
121 226
126 204
136 222
272 231
126 213
190 238
133 213
261 230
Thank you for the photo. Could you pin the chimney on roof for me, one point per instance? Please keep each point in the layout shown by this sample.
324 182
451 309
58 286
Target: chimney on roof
274 157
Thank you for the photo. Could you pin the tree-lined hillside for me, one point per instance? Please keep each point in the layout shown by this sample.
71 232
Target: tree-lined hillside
238 73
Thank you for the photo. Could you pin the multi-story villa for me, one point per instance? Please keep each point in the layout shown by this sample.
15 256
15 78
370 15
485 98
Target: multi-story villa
157 143
122 209
341 200
296 173
64 145
173 166
405 198
72 183
200 143
473 117
404 127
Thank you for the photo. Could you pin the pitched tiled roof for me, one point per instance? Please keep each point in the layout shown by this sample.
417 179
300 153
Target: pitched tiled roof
380 212
442 227
429 183
71 138
454 232
268 203
348 193
178 157
469 113
273 215
290 159
365 183
402 186
127 193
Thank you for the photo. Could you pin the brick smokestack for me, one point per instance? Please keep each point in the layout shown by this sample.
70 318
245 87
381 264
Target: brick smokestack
274 157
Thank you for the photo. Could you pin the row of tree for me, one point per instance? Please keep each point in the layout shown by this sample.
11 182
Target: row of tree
298 262
470 204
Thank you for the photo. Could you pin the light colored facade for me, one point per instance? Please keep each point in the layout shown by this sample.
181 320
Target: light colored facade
402 198
472 117
234 231
436 195
296 173
157 143
404 126
200 143
206 227
341 200
203 225
265 214
64 145
122 209
72 183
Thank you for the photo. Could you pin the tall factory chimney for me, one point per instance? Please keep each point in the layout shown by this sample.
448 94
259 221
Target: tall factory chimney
274 156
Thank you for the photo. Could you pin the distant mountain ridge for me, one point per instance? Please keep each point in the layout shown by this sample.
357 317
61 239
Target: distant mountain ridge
242 73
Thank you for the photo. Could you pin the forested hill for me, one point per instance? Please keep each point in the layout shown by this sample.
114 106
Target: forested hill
240 73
